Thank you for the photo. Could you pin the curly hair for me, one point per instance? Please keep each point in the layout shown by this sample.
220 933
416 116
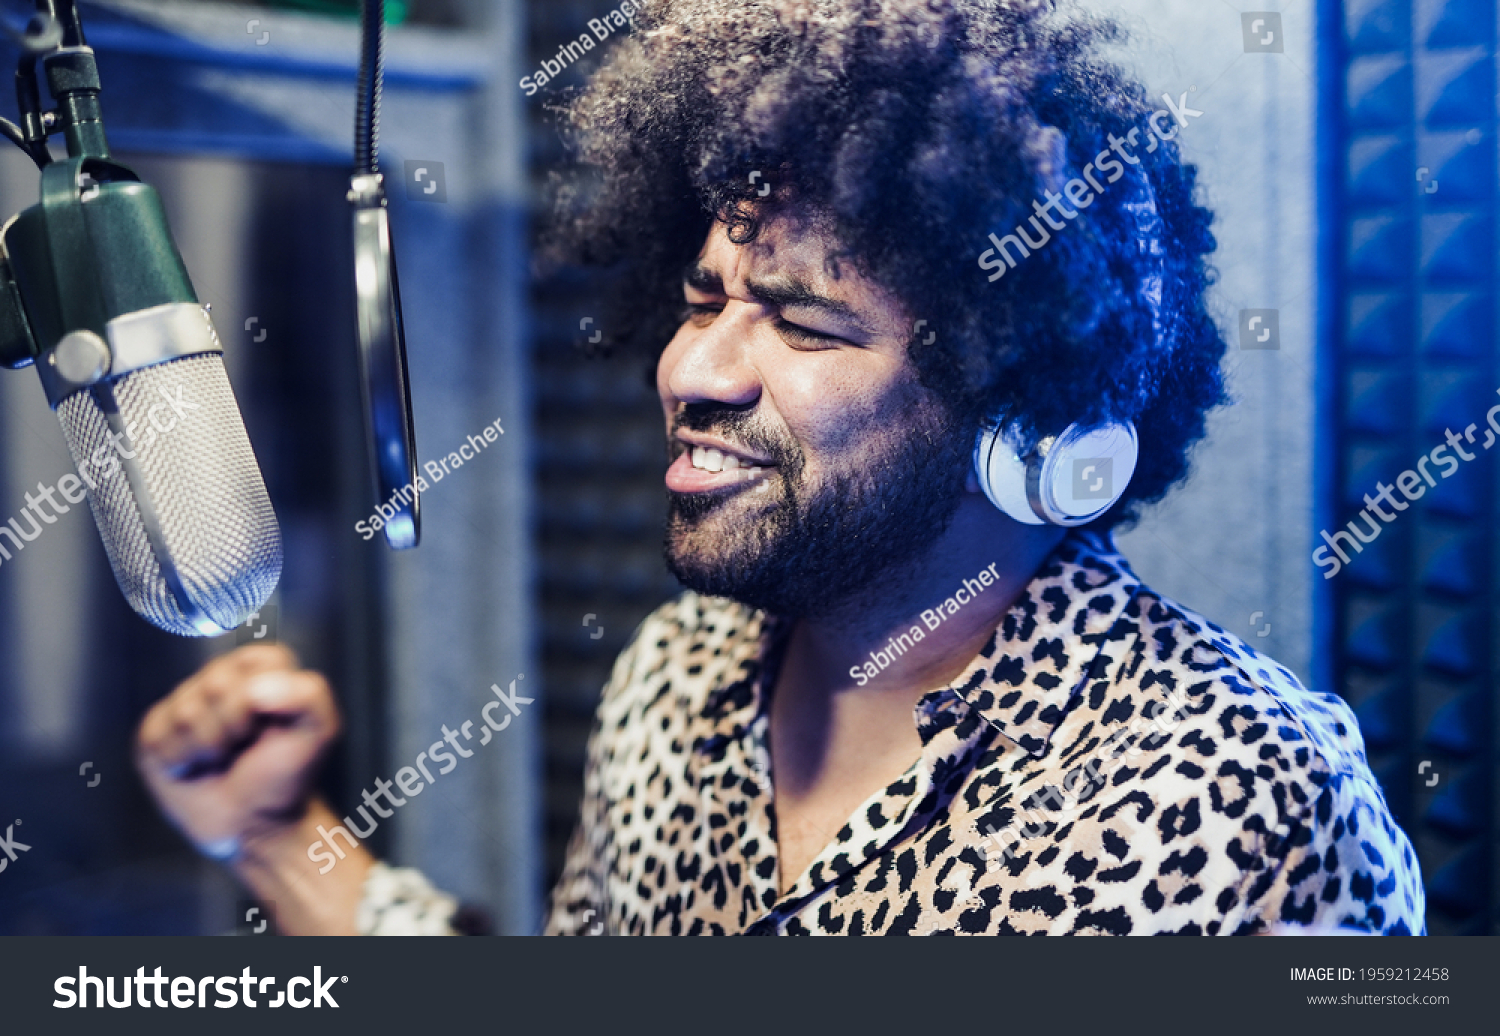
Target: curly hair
915 128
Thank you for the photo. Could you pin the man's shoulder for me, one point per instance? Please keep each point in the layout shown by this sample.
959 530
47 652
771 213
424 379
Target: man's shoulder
690 642
677 627
1242 698
691 612
1249 751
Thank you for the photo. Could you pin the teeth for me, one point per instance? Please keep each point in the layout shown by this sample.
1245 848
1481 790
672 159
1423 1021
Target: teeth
709 459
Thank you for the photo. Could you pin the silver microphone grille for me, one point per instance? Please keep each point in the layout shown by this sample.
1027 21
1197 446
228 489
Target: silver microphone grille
186 521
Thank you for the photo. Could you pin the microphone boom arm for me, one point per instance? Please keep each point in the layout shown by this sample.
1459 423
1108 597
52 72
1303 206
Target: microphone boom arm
384 383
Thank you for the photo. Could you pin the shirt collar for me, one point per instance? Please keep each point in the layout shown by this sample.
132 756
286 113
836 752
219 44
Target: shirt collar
1050 641
1055 637
756 654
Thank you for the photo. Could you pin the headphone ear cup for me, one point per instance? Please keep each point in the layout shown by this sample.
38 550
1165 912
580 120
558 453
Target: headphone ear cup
1002 474
1070 480
1084 472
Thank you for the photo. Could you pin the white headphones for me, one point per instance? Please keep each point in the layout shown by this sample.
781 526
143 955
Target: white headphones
1068 479
1073 478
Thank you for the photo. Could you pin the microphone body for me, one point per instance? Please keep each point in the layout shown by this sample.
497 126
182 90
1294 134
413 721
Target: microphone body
94 293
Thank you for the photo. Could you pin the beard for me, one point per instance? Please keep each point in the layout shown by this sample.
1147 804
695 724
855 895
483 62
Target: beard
798 550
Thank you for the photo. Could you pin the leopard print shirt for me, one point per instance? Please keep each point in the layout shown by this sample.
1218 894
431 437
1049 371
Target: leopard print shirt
1110 763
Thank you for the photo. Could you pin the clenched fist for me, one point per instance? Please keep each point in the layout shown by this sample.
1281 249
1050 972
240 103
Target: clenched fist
232 753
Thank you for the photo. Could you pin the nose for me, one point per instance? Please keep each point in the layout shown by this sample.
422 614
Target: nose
711 364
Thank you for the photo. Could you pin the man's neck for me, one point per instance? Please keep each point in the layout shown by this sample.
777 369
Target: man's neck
919 628
841 712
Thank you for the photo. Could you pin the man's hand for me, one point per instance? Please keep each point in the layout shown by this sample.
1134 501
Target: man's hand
231 755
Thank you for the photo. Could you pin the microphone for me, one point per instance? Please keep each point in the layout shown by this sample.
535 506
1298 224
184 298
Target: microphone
95 296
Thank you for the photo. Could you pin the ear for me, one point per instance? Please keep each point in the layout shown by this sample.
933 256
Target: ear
971 483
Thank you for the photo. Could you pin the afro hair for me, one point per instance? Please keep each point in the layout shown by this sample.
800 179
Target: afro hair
916 128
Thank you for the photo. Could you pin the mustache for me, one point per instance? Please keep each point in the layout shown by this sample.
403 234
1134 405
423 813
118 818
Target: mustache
740 425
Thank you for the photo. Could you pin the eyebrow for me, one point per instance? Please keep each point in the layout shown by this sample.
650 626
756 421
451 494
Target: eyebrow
785 293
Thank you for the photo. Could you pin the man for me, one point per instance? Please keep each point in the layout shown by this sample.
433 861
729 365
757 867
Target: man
886 705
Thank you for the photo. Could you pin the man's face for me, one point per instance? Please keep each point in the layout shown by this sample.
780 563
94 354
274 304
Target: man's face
806 459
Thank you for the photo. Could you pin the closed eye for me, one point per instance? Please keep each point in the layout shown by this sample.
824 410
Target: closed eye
804 335
700 313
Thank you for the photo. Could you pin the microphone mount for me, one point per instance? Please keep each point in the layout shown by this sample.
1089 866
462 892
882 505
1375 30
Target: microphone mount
55 37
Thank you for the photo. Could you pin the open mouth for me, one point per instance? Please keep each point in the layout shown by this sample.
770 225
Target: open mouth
703 468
